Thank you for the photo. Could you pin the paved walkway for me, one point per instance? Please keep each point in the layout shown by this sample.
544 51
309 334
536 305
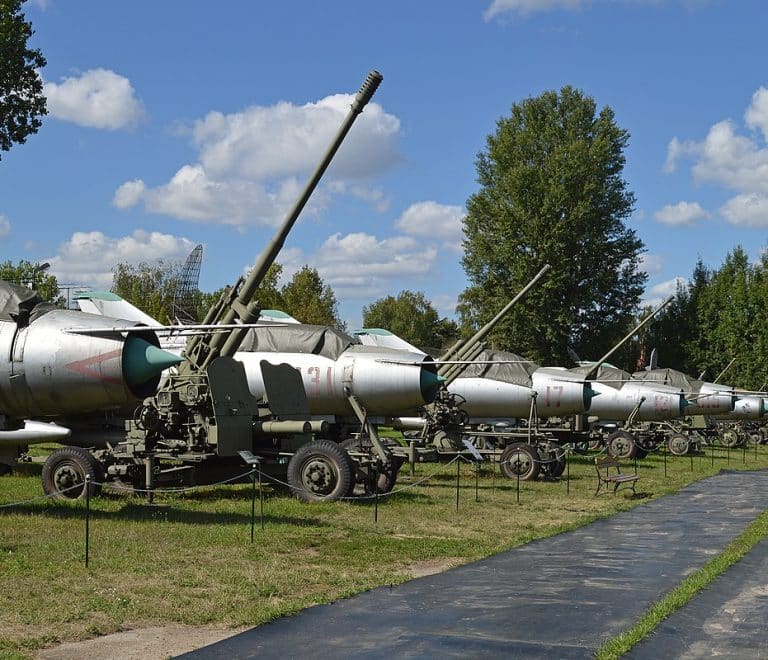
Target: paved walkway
557 597
729 619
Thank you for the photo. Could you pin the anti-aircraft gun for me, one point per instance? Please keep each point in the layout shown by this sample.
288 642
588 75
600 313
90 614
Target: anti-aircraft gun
194 428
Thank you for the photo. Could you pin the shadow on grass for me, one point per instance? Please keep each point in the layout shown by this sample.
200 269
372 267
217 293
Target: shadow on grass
166 513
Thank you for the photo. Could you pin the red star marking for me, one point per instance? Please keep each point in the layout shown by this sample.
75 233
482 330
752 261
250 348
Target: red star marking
90 366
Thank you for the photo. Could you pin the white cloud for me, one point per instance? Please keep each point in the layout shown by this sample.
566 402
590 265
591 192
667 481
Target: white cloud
526 7
433 221
682 213
756 115
192 195
5 227
87 258
748 210
250 163
98 98
658 293
652 264
736 161
261 143
360 265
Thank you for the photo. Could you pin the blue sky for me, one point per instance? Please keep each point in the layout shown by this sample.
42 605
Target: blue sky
176 123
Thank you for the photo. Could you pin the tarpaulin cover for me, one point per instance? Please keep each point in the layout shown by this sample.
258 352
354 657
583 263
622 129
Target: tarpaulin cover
670 377
508 368
17 300
611 376
315 339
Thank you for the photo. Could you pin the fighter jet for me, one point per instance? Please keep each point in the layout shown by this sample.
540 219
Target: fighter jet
62 362
333 364
499 385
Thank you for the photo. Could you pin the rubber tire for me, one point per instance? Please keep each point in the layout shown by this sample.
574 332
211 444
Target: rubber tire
627 447
328 456
679 444
556 468
730 438
531 455
78 461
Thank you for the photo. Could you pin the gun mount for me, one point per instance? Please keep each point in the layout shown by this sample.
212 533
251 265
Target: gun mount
205 411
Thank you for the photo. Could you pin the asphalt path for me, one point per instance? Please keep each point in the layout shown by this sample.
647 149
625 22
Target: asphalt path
556 597
729 619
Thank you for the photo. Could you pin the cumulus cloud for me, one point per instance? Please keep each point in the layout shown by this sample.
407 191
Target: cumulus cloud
658 293
433 221
98 98
87 258
733 160
5 227
360 265
682 213
250 163
747 210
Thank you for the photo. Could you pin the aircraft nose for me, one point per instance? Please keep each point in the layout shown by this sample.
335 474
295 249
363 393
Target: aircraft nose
589 394
143 361
430 383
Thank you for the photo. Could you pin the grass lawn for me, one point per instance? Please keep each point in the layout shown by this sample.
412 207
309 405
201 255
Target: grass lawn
188 558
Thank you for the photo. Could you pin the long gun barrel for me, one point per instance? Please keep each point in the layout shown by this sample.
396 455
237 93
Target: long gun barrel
462 350
239 307
596 366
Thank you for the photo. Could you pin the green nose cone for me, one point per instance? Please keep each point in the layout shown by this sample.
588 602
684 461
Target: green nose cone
430 384
143 361
589 394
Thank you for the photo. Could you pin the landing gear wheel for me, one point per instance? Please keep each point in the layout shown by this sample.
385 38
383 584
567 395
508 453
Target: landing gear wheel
621 444
679 444
320 471
64 473
520 460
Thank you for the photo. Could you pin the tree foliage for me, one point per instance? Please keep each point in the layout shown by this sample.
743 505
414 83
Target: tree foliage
551 191
150 287
21 89
307 298
32 274
719 314
410 316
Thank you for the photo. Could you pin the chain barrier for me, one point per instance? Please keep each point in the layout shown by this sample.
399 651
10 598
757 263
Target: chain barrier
43 497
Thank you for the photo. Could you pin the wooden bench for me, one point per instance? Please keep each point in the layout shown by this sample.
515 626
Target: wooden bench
606 478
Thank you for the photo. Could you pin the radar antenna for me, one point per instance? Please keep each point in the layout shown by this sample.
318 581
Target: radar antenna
183 297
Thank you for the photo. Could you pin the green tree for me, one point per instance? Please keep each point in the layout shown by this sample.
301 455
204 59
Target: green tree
33 275
150 287
410 316
21 89
310 300
551 191
728 315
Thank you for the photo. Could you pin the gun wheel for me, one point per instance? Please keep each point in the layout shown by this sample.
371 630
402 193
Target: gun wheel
621 444
320 471
64 473
520 460
679 444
